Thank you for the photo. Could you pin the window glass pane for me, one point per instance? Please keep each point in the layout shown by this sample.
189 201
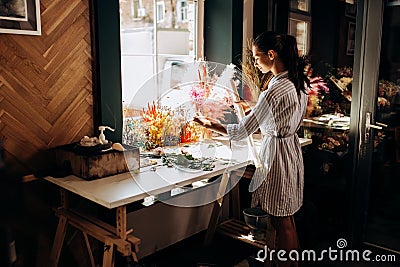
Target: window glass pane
182 9
150 45
298 28
136 69
383 226
160 11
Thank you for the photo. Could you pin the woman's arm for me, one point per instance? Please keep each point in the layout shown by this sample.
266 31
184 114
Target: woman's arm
246 105
247 126
211 124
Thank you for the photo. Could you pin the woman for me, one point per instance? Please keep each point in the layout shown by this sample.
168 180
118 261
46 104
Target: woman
278 113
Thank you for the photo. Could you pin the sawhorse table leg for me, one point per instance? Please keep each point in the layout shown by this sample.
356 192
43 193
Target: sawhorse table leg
58 241
114 239
108 256
217 209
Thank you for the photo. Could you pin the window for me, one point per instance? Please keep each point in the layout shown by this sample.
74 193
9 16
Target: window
300 28
162 40
182 9
137 10
160 11
300 24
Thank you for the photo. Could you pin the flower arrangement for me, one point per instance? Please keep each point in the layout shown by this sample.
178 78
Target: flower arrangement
191 132
173 127
338 80
342 77
134 132
316 96
201 89
335 142
155 117
345 75
210 99
386 93
205 89
159 126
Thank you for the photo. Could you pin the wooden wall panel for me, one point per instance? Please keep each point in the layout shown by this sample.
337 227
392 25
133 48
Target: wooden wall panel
46 85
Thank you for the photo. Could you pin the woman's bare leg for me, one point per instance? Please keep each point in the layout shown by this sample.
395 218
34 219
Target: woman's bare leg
286 238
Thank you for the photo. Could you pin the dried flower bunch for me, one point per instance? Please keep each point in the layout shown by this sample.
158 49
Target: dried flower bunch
190 132
386 93
316 96
155 117
335 142
255 80
134 132
345 75
200 90
209 95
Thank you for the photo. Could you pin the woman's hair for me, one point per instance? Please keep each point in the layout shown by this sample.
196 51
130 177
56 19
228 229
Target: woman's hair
286 48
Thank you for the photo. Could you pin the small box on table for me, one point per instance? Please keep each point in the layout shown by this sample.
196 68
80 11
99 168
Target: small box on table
97 162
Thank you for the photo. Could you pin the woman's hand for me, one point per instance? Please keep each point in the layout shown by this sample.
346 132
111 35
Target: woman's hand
204 121
246 105
210 123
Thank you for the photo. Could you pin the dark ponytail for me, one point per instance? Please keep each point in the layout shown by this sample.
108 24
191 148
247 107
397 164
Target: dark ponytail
286 48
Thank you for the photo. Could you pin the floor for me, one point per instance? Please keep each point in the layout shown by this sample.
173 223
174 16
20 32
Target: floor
227 252
223 252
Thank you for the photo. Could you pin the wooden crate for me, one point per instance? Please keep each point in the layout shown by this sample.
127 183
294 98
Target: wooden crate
90 166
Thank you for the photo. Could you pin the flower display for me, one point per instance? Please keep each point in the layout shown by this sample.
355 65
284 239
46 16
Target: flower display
134 132
344 72
386 93
155 117
209 97
334 142
330 90
316 96
198 89
160 126
201 88
190 132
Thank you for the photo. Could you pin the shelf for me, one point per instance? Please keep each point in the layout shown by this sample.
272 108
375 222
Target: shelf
343 88
315 123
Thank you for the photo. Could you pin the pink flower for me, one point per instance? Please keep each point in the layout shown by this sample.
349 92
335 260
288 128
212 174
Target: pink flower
318 84
197 93
213 109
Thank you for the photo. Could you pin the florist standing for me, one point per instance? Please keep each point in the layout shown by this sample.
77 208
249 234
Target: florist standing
277 186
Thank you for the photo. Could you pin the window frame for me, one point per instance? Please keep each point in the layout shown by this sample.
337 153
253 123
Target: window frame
308 4
106 70
304 18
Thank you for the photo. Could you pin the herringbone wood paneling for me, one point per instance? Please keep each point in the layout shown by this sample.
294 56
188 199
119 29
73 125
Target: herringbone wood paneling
46 84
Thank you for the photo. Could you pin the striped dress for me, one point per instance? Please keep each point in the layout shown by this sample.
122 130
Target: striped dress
278 184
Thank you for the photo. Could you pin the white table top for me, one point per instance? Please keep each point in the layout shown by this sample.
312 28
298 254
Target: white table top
121 189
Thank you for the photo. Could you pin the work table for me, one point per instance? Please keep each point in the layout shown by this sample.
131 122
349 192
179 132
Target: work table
125 188
118 191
